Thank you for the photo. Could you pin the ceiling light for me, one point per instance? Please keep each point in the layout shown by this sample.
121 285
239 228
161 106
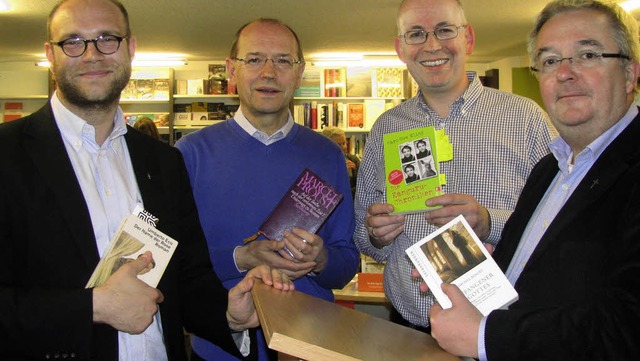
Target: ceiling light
4 5
146 60
630 5
356 59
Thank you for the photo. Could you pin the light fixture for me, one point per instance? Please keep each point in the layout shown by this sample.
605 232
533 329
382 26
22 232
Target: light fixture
630 5
157 60
356 59
4 6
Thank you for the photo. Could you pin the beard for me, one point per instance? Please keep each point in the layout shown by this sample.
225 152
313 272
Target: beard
95 100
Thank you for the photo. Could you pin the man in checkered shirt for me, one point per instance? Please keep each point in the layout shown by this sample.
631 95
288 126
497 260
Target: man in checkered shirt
497 138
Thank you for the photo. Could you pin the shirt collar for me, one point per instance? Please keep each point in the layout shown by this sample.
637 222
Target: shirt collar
465 100
77 131
246 125
563 154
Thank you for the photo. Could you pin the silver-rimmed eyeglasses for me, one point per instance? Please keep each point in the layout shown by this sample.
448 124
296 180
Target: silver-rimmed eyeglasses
419 36
257 62
546 64
105 44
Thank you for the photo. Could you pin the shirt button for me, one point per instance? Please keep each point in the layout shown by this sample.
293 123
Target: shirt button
565 187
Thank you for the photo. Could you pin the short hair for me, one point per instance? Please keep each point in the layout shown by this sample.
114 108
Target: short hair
421 142
406 167
234 45
117 3
624 26
463 17
406 147
331 132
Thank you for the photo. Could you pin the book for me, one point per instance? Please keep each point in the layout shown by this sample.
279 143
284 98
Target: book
454 254
389 82
358 81
334 83
306 205
217 81
355 115
161 89
311 83
412 169
373 108
136 235
145 89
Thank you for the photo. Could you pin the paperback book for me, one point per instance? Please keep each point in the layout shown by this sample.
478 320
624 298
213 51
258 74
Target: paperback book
454 254
412 169
134 237
306 205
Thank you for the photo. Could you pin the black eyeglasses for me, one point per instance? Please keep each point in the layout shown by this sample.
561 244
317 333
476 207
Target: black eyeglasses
419 36
105 44
582 59
257 62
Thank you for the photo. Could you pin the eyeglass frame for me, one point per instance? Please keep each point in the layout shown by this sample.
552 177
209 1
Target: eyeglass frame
435 35
264 62
571 59
86 44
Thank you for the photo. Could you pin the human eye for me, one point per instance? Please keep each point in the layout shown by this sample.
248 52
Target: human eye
283 61
254 60
106 39
588 55
445 31
549 61
73 42
414 34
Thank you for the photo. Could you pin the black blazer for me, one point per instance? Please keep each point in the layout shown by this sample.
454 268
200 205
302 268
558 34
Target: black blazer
580 290
48 249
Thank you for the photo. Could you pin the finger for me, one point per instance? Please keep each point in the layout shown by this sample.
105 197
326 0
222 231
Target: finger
139 264
453 292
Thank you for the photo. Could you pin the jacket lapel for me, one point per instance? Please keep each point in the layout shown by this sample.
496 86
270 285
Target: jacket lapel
44 145
597 183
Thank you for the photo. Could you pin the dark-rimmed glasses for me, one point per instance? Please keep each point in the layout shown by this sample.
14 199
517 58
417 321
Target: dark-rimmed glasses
419 36
105 44
257 62
584 59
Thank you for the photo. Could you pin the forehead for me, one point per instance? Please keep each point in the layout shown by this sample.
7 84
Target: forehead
427 14
87 18
266 38
575 29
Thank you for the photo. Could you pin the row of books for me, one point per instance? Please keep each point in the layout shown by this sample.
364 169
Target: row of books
355 116
203 113
358 82
216 83
12 111
146 89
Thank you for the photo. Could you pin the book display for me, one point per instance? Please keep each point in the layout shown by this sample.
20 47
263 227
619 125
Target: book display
454 254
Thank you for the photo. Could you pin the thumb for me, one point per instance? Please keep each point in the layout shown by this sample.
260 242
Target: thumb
143 261
454 293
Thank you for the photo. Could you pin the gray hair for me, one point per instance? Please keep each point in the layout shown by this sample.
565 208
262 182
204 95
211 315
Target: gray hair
331 132
624 26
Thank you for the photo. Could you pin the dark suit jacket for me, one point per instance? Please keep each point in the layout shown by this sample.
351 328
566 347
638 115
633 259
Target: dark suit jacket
48 249
580 290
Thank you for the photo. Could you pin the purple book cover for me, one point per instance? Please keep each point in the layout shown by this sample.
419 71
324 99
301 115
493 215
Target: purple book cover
306 205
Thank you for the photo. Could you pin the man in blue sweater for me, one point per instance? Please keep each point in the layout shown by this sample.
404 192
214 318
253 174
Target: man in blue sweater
241 168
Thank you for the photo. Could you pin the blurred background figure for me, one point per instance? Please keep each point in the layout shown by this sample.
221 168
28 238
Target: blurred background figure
353 162
148 127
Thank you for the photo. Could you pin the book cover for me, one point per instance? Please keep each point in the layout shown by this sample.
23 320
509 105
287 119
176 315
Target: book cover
134 237
311 83
355 115
359 81
334 83
161 89
411 169
373 108
306 205
217 81
454 254
145 89
195 86
389 82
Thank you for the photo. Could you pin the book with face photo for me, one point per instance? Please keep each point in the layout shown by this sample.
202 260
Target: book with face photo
412 169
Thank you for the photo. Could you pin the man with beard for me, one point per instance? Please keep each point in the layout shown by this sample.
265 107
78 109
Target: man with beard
71 173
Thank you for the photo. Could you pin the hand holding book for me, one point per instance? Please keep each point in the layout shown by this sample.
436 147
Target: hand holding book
303 246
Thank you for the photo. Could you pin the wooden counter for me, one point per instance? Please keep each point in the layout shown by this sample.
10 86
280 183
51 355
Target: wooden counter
305 327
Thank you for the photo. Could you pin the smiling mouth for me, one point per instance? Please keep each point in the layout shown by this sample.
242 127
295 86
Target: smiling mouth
268 91
434 62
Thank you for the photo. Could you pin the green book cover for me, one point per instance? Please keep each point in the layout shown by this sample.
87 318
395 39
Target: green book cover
411 169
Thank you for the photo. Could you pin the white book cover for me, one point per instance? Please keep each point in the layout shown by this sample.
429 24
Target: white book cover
454 254
134 237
